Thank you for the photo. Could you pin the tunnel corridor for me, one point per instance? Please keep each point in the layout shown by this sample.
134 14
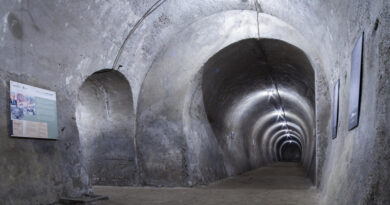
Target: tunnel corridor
195 102
259 100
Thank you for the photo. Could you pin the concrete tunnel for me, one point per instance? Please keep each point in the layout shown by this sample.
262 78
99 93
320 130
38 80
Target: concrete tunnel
262 93
195 102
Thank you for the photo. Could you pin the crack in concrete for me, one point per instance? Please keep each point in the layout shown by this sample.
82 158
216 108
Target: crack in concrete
147 13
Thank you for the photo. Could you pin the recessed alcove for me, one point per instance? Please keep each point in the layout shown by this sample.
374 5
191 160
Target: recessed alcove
105 120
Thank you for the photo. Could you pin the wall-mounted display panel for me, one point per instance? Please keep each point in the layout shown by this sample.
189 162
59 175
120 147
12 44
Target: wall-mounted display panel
354 92
335 109
33 112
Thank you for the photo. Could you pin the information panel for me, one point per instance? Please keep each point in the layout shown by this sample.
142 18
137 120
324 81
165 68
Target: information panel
335 109
354 93
33 112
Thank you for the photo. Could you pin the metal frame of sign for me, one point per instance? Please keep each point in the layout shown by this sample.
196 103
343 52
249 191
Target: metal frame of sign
355 83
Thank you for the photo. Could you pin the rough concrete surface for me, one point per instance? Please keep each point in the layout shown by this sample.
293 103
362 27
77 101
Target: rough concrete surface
170 125
105 119
282 183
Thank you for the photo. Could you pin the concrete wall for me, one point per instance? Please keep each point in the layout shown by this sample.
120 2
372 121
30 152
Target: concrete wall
106 124
255 92
356 160
57 44
161 108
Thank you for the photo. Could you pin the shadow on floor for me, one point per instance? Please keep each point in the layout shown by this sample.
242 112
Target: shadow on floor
280 183
283 175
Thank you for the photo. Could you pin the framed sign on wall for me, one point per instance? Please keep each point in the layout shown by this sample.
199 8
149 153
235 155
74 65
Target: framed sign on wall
335 109
33 112
354 89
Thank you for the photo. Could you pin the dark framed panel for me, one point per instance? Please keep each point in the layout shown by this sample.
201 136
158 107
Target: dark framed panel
335 110
33 112
355 81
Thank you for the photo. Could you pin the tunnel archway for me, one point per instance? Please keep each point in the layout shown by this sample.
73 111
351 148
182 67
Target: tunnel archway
290 150
171 104
105 120
259 97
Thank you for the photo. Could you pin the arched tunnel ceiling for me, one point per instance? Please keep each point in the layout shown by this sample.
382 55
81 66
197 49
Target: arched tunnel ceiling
172 94
92 38
262 91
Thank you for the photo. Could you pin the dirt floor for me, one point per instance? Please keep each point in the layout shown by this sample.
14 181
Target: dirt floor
281 183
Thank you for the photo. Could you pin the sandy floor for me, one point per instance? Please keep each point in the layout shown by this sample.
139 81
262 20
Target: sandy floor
281 183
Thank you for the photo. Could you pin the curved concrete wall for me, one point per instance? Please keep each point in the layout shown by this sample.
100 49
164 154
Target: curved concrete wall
58 44
252 85
161 108
106 124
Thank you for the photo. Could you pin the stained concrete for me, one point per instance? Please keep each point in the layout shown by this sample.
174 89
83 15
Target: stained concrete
162 106
259 94
105 119
58 44
281 183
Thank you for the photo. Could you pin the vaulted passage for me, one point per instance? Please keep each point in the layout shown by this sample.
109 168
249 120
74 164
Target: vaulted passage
259 100
195 102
